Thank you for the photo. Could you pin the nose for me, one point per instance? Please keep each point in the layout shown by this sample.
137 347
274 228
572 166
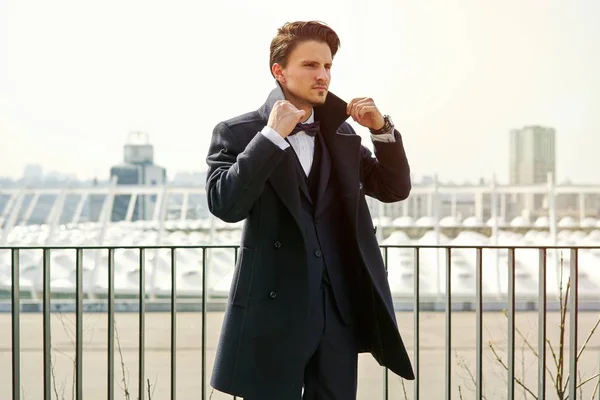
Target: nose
323 75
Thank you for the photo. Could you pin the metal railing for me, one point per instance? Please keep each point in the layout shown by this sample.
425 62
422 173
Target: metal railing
15 301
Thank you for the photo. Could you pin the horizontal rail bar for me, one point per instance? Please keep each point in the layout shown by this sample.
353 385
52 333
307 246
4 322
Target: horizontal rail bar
406 246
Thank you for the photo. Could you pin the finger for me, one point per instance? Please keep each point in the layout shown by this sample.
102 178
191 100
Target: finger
367 101
365 109
353 108
349 107
356 109
352 103
355 113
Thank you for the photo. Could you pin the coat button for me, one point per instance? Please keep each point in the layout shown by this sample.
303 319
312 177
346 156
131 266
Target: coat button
318 253
273 295
277 244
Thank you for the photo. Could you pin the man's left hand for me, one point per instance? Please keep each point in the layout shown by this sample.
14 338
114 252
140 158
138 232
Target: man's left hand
364 111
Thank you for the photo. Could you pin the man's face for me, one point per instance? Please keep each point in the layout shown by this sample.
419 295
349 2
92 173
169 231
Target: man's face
307 75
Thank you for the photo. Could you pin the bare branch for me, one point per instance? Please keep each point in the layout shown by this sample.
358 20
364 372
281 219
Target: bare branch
553 352
588 338
534 351
595 390
463 365
526 340
53 377
155 384
561 349
580 389
149 392
584 382
68 329
73 383
587 380
523 367
404 389
519 382
125 381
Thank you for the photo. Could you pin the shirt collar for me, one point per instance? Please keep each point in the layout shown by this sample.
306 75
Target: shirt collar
310 119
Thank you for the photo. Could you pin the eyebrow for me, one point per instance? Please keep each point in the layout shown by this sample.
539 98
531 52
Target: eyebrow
314 62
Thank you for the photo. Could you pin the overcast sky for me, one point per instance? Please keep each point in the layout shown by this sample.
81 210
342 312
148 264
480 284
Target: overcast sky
77 76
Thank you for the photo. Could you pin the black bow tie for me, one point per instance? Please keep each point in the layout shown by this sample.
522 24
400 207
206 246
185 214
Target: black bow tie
310 129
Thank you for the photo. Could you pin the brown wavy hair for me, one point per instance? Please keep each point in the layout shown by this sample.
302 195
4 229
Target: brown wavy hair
293 33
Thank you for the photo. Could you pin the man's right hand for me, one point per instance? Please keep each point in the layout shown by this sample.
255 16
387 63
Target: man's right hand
284 117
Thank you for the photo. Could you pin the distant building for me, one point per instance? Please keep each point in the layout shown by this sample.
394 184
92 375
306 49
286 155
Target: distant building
532 154
33 172
196 178
532 157
137 168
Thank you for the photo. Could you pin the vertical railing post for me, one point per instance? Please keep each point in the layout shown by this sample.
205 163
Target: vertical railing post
386 390
417 306
511 323
16 326
79 324
448 323
235 258
573 278
111 325
142 324
204 289
173 325
542 327
479 324
46 322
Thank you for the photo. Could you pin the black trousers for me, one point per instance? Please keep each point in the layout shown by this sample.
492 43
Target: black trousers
331 365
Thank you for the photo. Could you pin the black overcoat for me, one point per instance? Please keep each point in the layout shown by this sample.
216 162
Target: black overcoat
250 178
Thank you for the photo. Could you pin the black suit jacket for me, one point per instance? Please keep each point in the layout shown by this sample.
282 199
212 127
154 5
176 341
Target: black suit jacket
251 178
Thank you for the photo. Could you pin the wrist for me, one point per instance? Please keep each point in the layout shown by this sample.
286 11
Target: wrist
387 127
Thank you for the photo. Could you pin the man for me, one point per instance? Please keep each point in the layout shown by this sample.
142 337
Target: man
309 290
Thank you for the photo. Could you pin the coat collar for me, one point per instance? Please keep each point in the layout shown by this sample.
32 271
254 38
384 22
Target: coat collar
331 114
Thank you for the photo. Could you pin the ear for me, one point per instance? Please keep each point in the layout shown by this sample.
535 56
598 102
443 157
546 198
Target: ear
277 72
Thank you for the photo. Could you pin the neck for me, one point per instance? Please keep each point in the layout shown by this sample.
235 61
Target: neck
299 104
307 112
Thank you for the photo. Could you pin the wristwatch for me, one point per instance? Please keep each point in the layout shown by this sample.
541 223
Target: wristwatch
388 125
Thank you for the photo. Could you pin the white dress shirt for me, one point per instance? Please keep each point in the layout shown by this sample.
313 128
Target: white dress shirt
304 145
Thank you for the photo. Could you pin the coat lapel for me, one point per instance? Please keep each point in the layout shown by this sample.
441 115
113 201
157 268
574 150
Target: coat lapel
343 149
345 163
324 172
286 183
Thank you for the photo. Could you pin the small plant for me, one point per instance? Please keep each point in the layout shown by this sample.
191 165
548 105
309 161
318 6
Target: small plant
560 380
124 386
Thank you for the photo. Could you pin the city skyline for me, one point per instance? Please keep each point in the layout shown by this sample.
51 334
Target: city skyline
75 80
531 158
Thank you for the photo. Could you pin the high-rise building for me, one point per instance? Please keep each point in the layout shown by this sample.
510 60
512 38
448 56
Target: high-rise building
532 154
532 157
